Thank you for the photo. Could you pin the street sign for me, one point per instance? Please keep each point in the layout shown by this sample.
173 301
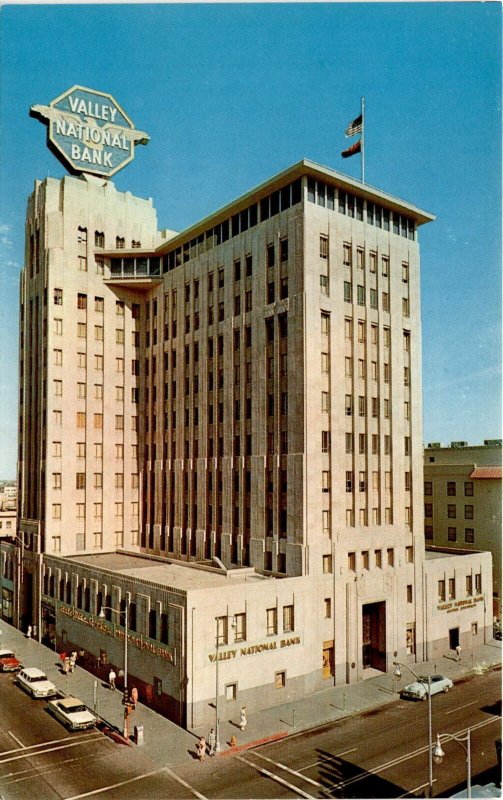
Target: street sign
89 132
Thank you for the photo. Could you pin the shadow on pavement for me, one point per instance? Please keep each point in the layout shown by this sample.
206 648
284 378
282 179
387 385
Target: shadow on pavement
340 778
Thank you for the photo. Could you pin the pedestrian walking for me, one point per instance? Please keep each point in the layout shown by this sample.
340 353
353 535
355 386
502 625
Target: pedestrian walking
134 696
66 665
458 652
201 748
28 632
73 660
111 679
242 718
212 742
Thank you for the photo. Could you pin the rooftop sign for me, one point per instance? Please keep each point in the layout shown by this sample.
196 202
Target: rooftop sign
89 132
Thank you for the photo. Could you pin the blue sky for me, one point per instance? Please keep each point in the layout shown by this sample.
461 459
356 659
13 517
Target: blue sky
231 94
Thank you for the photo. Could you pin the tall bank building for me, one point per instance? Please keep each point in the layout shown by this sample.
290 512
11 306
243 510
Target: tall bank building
220 436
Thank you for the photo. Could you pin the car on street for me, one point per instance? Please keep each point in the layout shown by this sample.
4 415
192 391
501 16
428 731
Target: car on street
419 689
9 662
73 713
35 682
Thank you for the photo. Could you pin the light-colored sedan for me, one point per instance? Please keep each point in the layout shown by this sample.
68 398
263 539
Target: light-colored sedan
73 713
35 682
419 689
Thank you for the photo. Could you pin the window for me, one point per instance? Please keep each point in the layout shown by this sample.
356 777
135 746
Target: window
81 419
81 330
284 249
56 544
324 284
98 421
378 558
478 583
362 444
406 376
469 535
452 588
119 335
365 559
58 357
325 324
469 585
347 292
346 255
405 272
385 301
451 511
279 680
348 403
327 604
349 442
451 534
451 488
349 481
362 406
373 298
360 258
324 401
56 480
58 388
58 326
325 441
323 246
325 481
468 512
352 562
406 446
81 449
385 266
324 362
222 631
428 531
428 509
56 510
240 627
362 479
348 328
372 262
98 363
272 621
99 264
441 590
409 593
475 628
58 297
386 373
288 619
231 691
428 488
98 480
348 366
82 301
405 307
360 294
327 564
409 554
391 556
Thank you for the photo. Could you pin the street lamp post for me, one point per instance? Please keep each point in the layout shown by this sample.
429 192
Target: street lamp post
438 754
397 665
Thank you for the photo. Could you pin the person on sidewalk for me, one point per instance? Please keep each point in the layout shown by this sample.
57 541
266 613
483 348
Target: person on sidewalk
201 749
242 718
111 679
212 742
73 660
28 632
458 652
66 665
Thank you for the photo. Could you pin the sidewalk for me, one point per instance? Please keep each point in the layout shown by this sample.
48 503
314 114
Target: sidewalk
166 743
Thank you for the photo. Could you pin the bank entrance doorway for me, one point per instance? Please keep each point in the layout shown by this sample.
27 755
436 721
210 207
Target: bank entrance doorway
453 638
374 636
328 659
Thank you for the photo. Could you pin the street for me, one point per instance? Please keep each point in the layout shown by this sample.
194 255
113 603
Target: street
381 753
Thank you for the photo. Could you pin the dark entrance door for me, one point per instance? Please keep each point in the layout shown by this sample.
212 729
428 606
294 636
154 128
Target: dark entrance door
453 638
374 635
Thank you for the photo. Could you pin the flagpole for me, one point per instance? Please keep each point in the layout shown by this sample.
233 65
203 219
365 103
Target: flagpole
363 140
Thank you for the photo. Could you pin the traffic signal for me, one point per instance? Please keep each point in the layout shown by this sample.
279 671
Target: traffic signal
126 700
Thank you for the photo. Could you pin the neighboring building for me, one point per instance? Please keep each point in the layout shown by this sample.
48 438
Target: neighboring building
462 501
225 426
8 510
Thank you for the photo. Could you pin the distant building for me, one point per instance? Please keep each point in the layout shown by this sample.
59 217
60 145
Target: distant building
462 501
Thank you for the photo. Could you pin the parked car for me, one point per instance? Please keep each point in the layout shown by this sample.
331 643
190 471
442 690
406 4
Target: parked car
73 713
35 682
497 634
9 662
419 689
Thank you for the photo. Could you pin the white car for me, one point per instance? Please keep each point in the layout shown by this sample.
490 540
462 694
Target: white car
419 689
35 682
72 713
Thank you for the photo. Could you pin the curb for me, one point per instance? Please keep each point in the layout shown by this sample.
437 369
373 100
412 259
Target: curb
275 737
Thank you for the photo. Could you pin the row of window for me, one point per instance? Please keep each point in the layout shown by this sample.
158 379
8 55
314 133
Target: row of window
80 480
353 206
450 488
373 298
233 629
447 591
452 534
99 239
451 511
362 561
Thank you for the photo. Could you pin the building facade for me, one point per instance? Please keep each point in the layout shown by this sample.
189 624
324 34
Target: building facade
462 501
224 426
